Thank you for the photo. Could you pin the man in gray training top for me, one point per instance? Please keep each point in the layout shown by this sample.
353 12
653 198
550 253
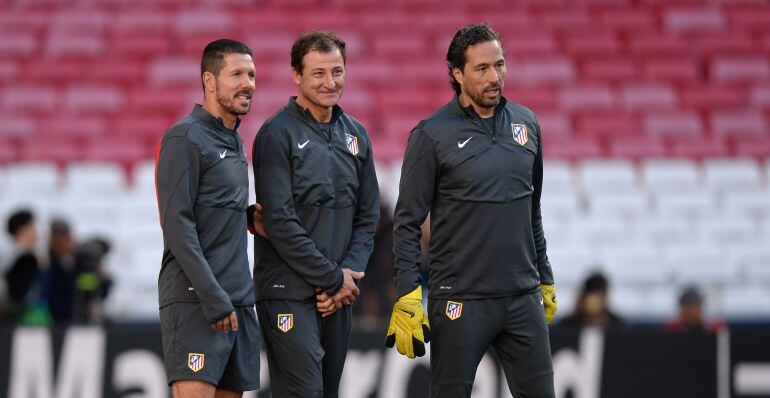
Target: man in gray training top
476 165
315 179
209 326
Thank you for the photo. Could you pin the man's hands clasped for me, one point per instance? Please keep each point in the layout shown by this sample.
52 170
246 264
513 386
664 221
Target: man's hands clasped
347 294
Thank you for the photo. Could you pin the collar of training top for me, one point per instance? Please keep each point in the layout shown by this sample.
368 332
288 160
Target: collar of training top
200 113
305 114
469 112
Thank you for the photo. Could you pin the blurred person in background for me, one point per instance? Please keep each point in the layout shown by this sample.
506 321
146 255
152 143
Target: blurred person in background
592 308
690 318
59 279
20 267
476 166
74 283
209 326
315 179
92 283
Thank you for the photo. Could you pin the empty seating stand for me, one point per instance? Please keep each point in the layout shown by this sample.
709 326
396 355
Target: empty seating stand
655 116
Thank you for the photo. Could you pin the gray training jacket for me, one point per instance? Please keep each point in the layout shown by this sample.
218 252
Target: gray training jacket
320 202
481 185
202 185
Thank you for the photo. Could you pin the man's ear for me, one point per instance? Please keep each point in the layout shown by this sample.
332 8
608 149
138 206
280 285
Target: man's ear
296 76
458 75
209 82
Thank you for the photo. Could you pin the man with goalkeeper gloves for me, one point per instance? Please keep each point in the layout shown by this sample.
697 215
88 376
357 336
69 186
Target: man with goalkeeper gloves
476 165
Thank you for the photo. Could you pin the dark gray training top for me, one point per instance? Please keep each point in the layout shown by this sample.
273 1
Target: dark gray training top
482 188
320 202
202 185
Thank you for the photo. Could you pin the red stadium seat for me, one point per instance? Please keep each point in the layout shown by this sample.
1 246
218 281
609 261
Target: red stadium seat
17 45
752 147
541 70
175 71
572 149
739 124
7 152
9 70
90 99
740 69
30 98
145 22
591 43
203 22
17 126
759 96
650 44
610 68
587 96
637 147
78 46
627 19
675 123
699 147
544 98
610 124
676 69
648 96
75 127
694 19
133 45
714 97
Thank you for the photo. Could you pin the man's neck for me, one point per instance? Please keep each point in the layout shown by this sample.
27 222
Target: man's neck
228 119
321 114
483 112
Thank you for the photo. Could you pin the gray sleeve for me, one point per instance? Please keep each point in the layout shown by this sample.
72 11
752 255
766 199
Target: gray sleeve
179 167
543 265
273 178
415 197
367 216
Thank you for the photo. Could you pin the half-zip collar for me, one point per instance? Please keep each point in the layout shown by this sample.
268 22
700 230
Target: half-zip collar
306 116
200 113
469 113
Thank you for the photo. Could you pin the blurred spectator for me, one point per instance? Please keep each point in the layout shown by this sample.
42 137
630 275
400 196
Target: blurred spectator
59 284
75 283
690 319
21 268
92 284
592 308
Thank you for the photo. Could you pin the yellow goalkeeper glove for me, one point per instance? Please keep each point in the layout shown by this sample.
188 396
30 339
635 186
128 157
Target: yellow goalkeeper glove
409 329
549 301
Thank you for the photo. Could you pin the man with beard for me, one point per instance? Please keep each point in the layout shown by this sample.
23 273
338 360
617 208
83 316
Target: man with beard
476 166
208 322
315 179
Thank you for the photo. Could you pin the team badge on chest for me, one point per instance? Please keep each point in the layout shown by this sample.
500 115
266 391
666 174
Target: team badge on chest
195 361
285 322
519 133
454 310
351 142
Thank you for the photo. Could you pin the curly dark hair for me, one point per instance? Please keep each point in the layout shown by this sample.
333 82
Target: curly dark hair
467 36
321 41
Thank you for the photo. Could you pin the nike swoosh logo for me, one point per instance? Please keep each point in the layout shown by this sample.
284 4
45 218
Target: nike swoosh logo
300 146
541 301
410 313
222 155
462 144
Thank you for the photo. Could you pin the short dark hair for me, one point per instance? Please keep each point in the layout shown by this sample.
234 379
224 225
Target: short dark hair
213 59
321 41
19 220
467 36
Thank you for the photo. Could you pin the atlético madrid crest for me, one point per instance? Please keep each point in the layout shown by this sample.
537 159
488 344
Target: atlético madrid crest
352 143
519 133
454 310
195 361
285 322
